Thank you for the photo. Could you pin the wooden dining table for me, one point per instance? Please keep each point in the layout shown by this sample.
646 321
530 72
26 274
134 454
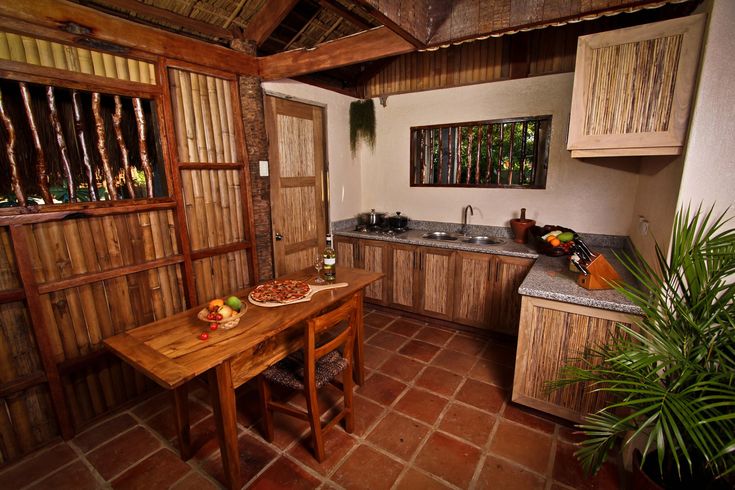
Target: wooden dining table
170 352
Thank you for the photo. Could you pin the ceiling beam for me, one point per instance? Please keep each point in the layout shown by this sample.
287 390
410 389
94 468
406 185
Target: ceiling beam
346 14
268 18
56 19
363 46
157 14
401 17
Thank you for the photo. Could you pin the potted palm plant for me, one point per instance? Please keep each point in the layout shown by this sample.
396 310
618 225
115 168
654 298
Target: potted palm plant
670 379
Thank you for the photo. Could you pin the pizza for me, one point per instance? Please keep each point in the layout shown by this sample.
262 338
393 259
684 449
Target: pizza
280 291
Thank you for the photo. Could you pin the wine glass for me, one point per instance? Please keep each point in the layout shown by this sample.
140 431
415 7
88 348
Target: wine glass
319 265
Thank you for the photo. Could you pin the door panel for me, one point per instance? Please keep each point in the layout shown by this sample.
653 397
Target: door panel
298 198
403 291
473 288
346 249
436 268
506 309
375 259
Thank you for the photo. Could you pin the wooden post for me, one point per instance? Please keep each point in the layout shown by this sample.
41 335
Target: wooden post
42 174
61 142
116 121
144 161
223 403
82 142
99 124
10 150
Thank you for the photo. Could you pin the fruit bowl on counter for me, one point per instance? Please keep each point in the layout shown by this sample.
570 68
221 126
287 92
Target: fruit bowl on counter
224 314
554 248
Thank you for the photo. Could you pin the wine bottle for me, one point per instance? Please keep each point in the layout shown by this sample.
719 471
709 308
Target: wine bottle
330 261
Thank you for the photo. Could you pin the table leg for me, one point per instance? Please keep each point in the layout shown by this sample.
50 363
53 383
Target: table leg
223 403
181 418
359 367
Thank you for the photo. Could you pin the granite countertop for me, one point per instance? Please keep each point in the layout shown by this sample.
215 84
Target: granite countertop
549 277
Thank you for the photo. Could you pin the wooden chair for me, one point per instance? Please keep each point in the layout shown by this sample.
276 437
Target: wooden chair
320 364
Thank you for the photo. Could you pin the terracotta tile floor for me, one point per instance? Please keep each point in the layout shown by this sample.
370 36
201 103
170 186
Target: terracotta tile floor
433 413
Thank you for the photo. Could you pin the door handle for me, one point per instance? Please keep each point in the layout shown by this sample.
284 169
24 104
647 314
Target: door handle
279 237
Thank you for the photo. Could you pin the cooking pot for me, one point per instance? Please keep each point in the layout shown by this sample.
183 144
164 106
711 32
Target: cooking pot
372 218
398 222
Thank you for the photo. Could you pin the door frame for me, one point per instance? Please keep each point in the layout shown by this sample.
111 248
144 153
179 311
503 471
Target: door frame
321 240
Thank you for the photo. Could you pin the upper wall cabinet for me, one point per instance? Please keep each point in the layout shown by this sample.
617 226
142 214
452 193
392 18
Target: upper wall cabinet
633 88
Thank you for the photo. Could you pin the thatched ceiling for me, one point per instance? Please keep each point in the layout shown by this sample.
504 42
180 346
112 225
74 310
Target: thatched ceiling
277 26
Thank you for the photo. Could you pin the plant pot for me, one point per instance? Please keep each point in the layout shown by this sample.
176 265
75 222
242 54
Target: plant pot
520 229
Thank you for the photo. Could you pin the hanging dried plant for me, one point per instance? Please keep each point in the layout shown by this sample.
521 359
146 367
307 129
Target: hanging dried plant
362 123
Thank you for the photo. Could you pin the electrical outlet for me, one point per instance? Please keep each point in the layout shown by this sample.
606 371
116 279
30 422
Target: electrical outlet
263 168
643 225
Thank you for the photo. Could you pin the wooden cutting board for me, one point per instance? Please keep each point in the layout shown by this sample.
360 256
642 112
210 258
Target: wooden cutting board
312 291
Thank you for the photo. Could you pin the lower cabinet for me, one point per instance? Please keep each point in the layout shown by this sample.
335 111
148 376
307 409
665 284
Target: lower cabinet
550 333
475 289
506 302
436 279
404 293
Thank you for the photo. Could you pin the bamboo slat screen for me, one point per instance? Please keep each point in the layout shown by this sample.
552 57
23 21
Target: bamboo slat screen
63 145
501 153
38 52
631 86
204 127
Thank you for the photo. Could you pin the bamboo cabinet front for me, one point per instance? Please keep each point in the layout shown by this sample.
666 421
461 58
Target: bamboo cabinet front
404 291
436 279
473 289
633 89
551 334
375 257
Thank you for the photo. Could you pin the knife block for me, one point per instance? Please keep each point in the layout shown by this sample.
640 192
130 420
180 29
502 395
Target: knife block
600 273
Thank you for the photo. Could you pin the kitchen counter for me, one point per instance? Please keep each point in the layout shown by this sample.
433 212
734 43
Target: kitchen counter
549 277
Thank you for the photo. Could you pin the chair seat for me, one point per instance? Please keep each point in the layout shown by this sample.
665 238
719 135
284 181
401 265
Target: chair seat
289 372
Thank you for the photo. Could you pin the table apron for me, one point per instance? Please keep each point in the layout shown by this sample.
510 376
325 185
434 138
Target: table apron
255 360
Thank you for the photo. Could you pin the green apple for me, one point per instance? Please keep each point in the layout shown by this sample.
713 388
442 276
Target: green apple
234 303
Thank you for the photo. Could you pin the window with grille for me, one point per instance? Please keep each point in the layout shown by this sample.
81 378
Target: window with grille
500 153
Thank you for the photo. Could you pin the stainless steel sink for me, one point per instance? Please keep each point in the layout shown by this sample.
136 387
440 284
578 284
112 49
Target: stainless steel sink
484 240
440 235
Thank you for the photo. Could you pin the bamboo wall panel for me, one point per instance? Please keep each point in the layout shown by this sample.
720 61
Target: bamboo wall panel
631 86
38 52
221 275
214 208
26 422
203 114
8 268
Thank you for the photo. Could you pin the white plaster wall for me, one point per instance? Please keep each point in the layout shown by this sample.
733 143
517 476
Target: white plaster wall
596 196
345 186
709 166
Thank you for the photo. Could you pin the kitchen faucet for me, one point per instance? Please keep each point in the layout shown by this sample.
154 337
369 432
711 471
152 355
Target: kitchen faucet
463 229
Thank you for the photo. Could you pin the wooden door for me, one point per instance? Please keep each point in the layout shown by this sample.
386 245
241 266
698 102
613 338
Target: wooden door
506 308
298 197
473 288
346 249
374 257
403 290
436 272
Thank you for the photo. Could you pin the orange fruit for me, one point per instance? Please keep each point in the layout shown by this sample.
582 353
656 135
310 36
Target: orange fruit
215 304
555 242
550 237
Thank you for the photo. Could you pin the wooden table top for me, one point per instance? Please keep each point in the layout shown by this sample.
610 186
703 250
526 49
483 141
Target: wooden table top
170 352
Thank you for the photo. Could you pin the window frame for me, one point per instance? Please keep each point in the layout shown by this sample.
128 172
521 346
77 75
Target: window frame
543 152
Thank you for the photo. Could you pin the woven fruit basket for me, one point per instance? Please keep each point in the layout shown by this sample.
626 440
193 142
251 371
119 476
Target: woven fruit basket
225 323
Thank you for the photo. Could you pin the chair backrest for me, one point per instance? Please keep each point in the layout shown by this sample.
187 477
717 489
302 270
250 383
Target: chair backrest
347 312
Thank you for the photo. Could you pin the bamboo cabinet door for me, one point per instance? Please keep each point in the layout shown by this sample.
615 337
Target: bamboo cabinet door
436 282
403 280
473 288
506 302
375 257
550 333
347 251
298 202
633 88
